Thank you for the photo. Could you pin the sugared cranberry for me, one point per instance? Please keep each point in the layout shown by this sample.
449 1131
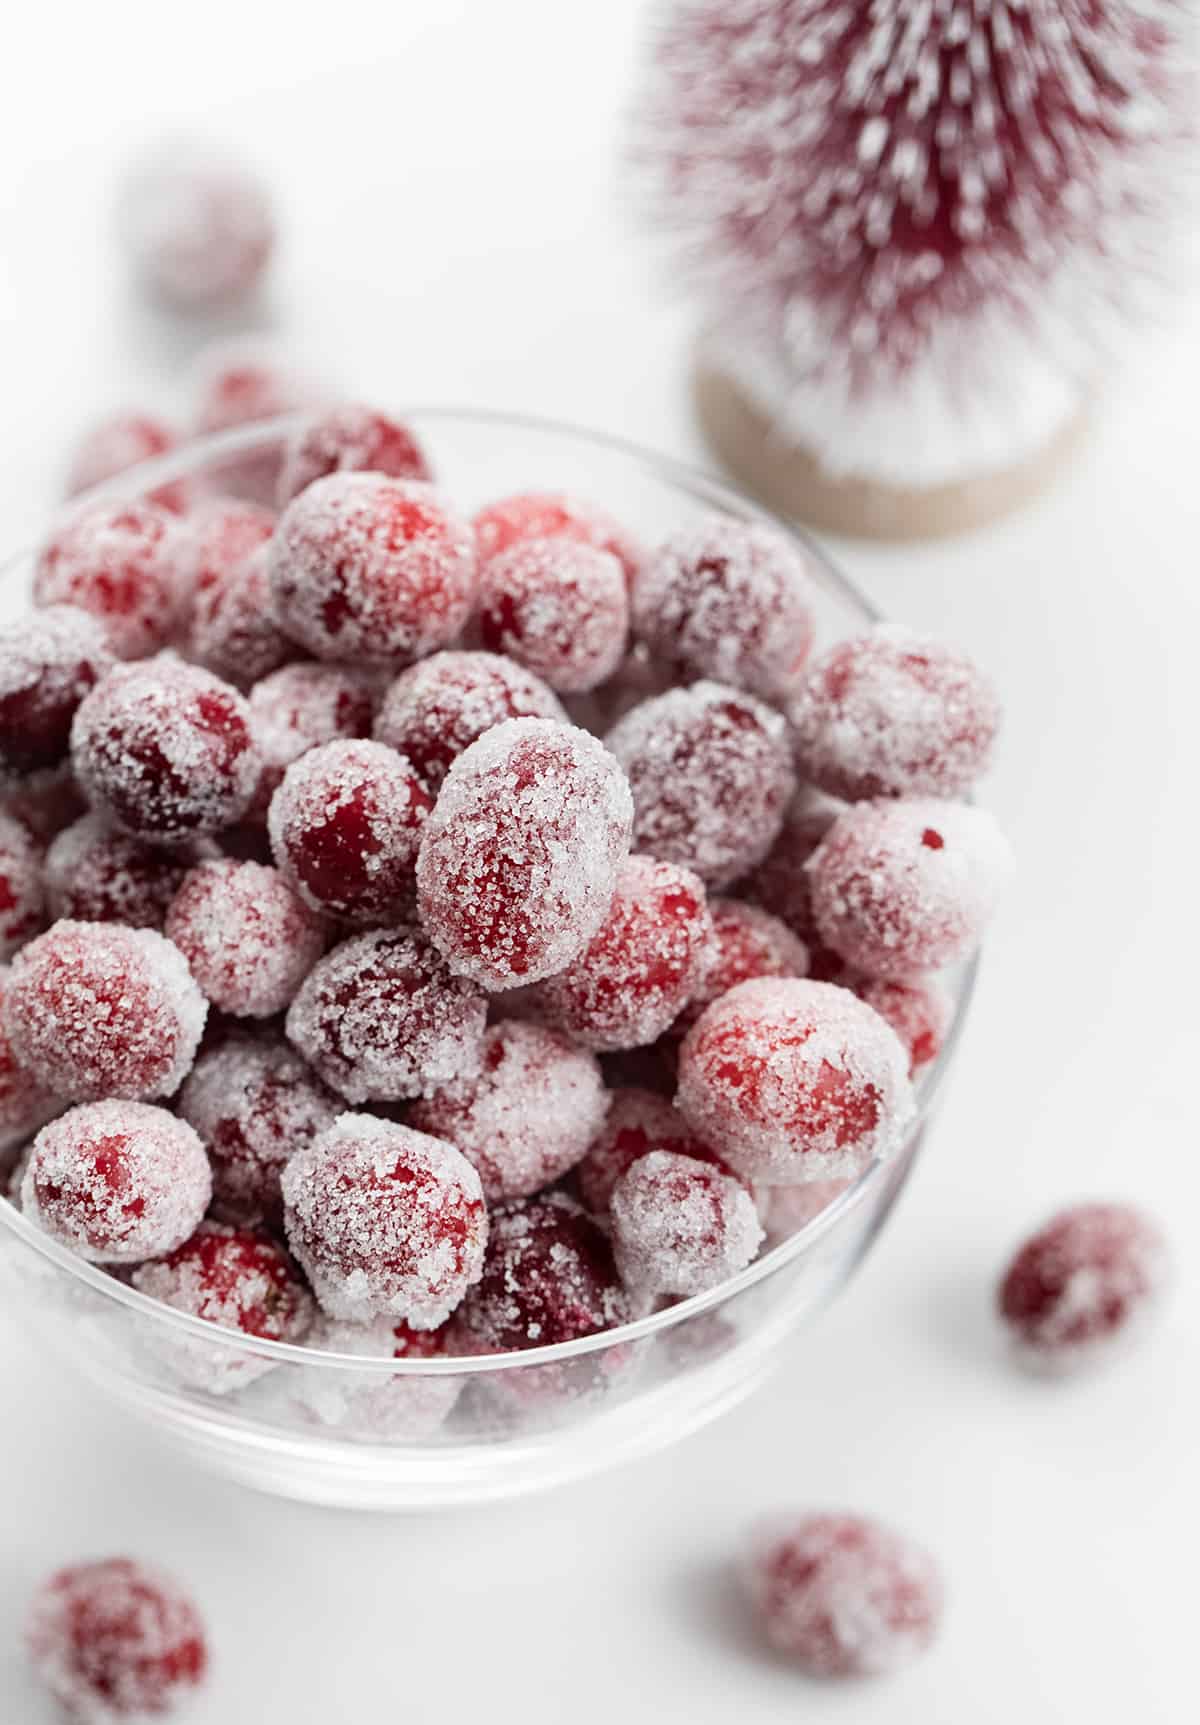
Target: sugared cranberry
551 515
376 1406
781 885
349 439
239 1278
681 1226
731 600
790 1208
345 825
232 631
519 858
638 1121
122 441
95 1010
1083 1285
96 873
254 1103
791 1080
381 1018
248 938
120 563
24 1103
49 659
557 606
747 943
239 384
711 778
385 1220
894 714
527 1117
902 888
364 567
300 706
919 1012
165 749
198 226
22 896
842 1595
642 965
116 1640
436 709
117 1181
45 802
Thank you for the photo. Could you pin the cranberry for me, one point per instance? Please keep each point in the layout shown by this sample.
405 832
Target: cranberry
49 659
122 441
24 1103
681 1226
378 1407
551 515
248 938
436 709
349 439
95 873
780 884
239 384
557 606
232 631
120 562
22 896
747 943
919 1012
198 226
638 1121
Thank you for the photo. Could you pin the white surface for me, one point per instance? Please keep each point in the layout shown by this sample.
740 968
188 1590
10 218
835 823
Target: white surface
454 232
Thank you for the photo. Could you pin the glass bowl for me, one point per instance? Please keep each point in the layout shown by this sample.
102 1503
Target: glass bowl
384 1434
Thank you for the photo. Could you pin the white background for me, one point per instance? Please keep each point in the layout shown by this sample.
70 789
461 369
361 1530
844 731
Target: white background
455 231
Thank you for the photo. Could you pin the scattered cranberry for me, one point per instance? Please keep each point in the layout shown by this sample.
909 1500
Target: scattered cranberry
681 1226
248 938
240 1279
919 1012
376 1406
117 1181
747 943
240 384
345 826
120 562
385 1220
49 659
232 631
198 226
349 439
894 714
381 1018
841 1595
519 858
642 966
165 749
254 1103
96 1010
791 1080
711 778
781 885
24 1103
22 898
95 873
364 567
557 606
902 888
122 441
638 1122
436 709
731 600
527 1117
551 515
1083 1284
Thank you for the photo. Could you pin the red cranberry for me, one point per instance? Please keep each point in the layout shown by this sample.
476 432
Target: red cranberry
436 709
115 1640
528 1115
919 1012
242 383
551 515
299 706
349 439
557 606
638 1122
198 226
232 631
122 441
519 858
120 562
747 943
24 1103
681 1226
22 896
781 885
94 873
385 1219
248 938
49 659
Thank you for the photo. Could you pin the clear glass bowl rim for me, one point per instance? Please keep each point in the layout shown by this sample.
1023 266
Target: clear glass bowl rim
209 452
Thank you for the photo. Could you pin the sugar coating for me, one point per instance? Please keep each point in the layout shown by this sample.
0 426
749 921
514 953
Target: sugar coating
528 1116
643 964
680 1226
231 630
349 438
711 778
165 750
124 440
436 709
240 1279
903 888
1085 1285
24 1103
791 1080
345 825
96 1010
381 1018
363 567
731 600
372 1406
385 1220
96 873
22 896
747 942
894 714
299 706
197 225
842 1595
920 1012
120 563
49 659
254 1102
118 1182
552 515
518 861
559 607
248 938
638 1122
116 1640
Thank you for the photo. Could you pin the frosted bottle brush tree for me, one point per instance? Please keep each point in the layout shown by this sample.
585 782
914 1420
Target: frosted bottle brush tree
918 228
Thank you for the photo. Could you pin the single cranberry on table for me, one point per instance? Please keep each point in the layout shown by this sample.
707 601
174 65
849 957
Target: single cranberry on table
197 225
248 938
96 873
439 707
385 1220
114 1640
681 1226
49 660
22 892
349 439
747 943
124 440
552 515
120 563
557 606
